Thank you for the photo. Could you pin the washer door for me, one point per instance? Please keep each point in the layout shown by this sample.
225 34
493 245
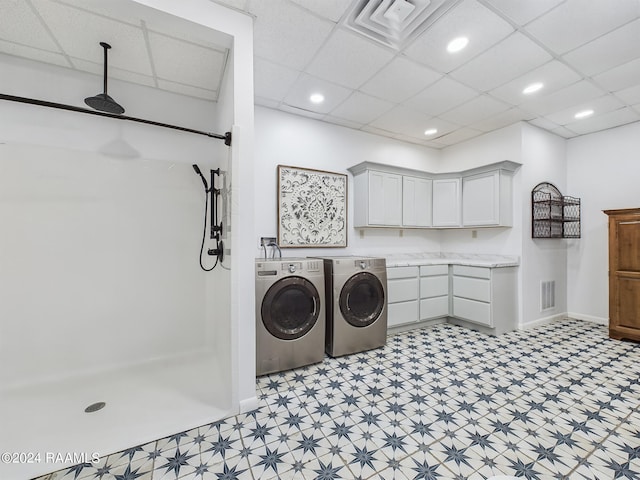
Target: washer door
362 299
290 308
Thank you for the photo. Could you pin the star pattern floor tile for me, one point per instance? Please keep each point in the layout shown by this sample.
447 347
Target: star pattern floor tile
561 401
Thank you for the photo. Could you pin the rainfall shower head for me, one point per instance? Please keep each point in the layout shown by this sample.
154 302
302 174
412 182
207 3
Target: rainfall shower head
102 101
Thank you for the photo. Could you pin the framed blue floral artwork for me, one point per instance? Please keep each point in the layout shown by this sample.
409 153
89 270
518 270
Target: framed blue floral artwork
312 208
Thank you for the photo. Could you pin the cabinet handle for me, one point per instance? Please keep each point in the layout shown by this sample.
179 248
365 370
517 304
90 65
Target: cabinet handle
629 223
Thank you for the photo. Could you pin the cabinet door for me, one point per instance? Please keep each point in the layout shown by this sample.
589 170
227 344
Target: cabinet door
416 202
385 198
446 202
481 199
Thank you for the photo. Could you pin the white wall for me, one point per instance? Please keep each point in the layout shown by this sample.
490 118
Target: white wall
544 160
603 170
503 144
285 139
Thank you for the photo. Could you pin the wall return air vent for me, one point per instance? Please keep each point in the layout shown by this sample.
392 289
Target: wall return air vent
395 23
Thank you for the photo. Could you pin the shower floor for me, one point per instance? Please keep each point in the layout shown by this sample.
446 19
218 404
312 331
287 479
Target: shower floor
142 403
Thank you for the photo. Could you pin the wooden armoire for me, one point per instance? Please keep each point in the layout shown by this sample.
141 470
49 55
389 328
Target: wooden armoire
624 273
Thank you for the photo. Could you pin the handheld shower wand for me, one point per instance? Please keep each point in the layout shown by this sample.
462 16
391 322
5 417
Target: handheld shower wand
196 169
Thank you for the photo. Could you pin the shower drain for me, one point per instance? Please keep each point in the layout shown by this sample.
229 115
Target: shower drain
94 407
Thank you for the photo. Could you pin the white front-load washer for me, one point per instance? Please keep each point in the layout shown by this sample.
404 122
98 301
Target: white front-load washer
290 313
356 304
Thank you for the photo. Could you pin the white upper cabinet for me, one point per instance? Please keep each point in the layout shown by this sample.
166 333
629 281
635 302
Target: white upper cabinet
487 199
388 196
416 202
446 202
378 199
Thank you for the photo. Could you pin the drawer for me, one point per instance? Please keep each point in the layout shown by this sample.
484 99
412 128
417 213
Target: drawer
401 313
434 286
473 288
426 270
478 272
401 272
402 289
434 307
478 312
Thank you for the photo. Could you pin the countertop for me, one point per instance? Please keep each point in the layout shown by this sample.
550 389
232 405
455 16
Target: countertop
446 258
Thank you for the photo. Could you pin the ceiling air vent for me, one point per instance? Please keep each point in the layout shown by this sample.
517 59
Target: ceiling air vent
395 23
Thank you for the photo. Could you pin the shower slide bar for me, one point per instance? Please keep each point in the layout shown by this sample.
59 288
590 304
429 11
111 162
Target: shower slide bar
43 103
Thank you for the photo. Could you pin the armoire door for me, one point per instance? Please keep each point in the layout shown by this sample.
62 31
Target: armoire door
624 273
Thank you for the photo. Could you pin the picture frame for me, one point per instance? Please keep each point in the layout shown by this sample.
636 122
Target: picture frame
312 208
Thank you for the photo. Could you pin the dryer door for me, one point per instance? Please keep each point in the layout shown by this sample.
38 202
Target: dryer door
290 308
362 299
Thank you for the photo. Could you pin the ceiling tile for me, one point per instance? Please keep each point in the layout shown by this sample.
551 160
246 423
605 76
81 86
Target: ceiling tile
343 122
544 123
562 99
612 119
117 73
186 63
554 75
474 110
68 24
502 119
300 111
272 81
33 53
349 59
404 121
601 105
237 4
577 22
440 97
19 24
266 102
564 132
361 108
459 135
306 85
188 90
630 95
483 28
287 34
505 61
399 80
523 11
609 51
331 9
621 77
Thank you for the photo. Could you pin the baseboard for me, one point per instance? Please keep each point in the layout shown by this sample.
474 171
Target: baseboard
589 318
249 404
542 321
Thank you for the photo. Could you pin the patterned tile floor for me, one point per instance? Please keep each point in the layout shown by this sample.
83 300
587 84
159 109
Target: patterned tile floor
559 401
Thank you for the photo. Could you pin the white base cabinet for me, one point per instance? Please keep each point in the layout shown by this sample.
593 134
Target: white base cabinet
478 297
485 296
402 295
434 291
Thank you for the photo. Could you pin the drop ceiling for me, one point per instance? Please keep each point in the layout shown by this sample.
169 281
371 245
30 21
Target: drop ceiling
585 52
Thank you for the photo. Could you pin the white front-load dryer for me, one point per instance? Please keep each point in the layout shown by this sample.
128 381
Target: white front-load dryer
356 304
290 313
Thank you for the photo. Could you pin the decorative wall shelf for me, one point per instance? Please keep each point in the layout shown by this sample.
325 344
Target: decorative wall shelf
554 215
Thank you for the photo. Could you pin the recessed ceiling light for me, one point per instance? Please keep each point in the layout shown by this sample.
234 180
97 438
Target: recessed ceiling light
316 98
431 131
534 87
457 44
583 114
